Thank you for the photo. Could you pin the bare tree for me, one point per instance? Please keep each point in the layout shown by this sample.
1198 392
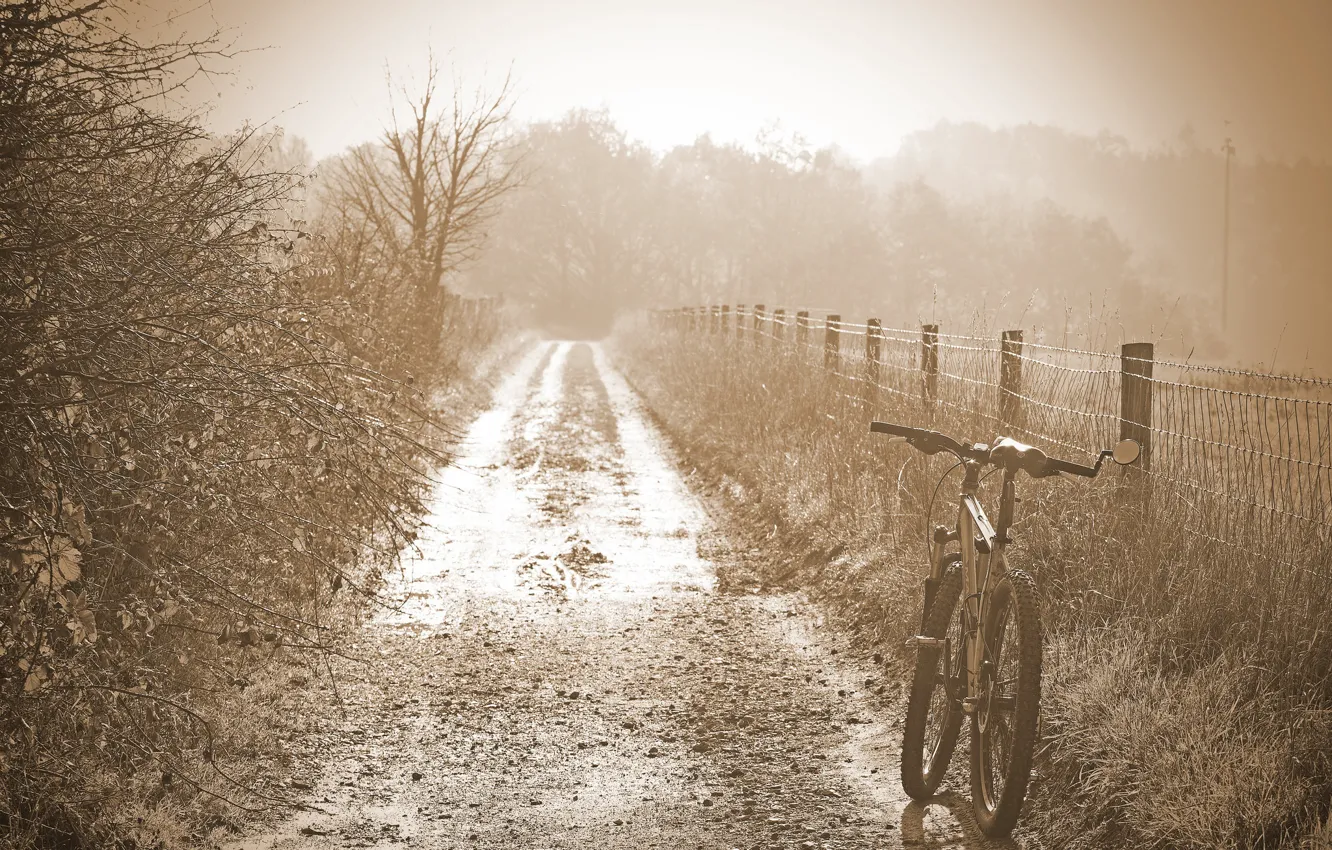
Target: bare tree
425 192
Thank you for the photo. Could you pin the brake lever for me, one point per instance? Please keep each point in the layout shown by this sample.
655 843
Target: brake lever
1100 459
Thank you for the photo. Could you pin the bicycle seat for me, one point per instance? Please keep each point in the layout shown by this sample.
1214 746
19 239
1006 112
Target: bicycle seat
1013 456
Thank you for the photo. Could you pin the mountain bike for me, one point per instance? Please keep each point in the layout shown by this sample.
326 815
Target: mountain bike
985 662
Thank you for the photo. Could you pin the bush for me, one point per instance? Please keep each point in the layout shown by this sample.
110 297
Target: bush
197 468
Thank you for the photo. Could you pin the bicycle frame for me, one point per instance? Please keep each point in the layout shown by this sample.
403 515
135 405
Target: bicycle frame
983 564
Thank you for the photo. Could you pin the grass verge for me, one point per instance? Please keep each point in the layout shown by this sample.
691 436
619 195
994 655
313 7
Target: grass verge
1188 701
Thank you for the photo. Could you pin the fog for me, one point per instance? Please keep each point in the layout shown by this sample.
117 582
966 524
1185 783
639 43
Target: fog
1040 165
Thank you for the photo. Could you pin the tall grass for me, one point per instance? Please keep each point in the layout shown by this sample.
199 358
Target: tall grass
1189 695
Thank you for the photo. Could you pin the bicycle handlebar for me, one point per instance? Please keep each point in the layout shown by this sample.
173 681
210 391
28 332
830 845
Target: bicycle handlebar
929 442
933 442
1056 465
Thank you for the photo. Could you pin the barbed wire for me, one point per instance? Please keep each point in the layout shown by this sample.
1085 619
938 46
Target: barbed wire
1244 463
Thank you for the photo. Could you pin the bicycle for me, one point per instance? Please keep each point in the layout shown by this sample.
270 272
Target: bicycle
991 651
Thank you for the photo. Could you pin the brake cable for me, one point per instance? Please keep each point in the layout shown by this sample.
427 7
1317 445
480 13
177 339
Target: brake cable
929 512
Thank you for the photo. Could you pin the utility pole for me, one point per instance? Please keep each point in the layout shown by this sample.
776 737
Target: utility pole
1225 243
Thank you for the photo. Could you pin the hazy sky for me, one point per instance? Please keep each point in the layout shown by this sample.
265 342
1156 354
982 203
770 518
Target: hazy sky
858 73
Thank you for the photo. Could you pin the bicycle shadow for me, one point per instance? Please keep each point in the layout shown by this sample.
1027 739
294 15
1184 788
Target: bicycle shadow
945 822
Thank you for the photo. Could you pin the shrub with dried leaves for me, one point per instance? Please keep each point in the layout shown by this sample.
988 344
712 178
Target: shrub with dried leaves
192 461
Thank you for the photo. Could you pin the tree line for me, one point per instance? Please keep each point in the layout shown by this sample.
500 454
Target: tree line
1079 240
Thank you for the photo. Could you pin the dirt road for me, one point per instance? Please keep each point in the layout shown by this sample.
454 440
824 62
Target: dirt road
566 673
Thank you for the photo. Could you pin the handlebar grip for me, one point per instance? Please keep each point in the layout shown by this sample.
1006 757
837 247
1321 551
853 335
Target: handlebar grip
1055 465
902 431
923 439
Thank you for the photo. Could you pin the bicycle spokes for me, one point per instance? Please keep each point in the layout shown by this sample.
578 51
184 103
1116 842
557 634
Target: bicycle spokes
1004 725
996 707
941 722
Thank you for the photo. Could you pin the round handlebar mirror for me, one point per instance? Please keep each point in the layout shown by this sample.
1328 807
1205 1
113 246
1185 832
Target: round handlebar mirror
1126 451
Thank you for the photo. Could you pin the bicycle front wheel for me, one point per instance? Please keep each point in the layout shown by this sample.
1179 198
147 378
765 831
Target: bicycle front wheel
1005 724
933 717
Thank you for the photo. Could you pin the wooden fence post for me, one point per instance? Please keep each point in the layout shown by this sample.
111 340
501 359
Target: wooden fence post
832 343
725 318
739 320
1135 388
802 329
778 325
758 321
929 363
873 345
1010 379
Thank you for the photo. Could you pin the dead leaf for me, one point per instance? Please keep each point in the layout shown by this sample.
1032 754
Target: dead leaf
58 561
82 622
76 523
37 678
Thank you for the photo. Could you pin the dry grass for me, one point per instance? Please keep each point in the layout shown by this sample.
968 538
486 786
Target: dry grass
1321 837
1189 701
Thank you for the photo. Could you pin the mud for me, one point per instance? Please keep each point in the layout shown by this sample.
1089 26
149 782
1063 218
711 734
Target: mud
564 671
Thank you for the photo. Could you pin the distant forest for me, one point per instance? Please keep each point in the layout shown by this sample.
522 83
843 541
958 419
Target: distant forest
1078 239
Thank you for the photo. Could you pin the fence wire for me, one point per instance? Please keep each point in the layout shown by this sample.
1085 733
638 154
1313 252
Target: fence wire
1240 458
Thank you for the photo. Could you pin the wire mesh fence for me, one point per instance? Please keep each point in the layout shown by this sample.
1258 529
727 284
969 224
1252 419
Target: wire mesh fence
1237 458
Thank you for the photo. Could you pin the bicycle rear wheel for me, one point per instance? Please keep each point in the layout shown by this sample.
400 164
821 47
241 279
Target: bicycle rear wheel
933 718
1005 724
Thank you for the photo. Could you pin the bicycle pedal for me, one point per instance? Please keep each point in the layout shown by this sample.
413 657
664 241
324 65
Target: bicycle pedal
924 640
